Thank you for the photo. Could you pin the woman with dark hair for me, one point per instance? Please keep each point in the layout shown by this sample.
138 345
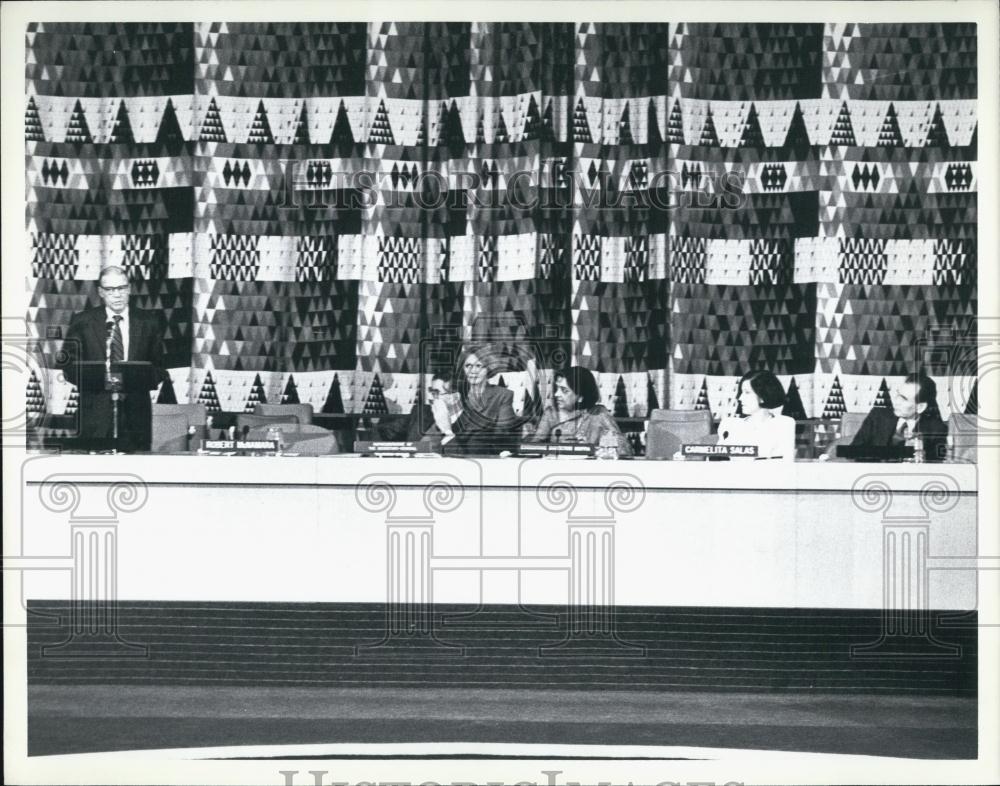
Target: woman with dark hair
574 414
759 420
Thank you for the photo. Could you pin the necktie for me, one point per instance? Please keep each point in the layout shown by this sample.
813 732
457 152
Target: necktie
116 352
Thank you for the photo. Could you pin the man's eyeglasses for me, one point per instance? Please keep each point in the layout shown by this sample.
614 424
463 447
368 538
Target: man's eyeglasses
116 290
436 392
474 366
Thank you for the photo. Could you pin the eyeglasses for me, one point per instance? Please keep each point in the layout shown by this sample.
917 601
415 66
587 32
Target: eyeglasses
436 392
474 366
116 290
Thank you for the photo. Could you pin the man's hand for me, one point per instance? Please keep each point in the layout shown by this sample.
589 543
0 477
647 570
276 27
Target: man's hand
441 419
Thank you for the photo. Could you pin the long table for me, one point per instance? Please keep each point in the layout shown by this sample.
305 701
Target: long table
546 531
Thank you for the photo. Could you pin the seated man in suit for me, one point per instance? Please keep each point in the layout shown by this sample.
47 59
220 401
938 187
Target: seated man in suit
114 332
432 418
914 419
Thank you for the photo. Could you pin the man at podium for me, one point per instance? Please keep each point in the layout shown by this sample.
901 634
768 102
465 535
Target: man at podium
113 353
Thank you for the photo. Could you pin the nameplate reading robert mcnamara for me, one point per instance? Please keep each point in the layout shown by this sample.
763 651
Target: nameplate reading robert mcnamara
239 446
699 450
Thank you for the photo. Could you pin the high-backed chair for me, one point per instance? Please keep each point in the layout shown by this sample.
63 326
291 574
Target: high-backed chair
304 412
963 433
301 439
850 424
671 428
171 423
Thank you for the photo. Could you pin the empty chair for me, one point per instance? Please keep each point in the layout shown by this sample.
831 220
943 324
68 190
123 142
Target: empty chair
171 425
671 428
303 412
304 440
850 424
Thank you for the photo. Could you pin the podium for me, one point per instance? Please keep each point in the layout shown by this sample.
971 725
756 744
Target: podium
115 409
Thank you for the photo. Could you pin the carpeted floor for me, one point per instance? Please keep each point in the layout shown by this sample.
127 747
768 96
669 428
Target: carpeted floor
225 674
76 719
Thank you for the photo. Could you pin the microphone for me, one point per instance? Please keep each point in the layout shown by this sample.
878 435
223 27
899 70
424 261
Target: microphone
246 432
557 434
725 434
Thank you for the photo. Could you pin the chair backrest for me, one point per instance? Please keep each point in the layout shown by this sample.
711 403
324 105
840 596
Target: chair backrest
671 428
197 413
170 426
963 433
246 420
304 440
850 424
170 433
701 417
304 412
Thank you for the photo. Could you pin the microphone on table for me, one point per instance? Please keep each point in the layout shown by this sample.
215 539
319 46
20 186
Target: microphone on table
246 433
557 434
725 435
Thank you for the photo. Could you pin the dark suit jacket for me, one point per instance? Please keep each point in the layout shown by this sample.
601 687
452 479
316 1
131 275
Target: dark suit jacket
86 340
412 428
487 426
879 427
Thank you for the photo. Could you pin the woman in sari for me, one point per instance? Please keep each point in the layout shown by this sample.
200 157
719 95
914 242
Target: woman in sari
574 414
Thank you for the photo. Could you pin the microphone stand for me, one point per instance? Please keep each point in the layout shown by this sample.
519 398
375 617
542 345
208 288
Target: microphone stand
114 383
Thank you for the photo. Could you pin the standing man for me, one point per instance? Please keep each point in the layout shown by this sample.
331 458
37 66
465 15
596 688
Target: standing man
914 419
115 333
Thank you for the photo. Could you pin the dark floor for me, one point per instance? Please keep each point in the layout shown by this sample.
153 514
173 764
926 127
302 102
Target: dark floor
225 674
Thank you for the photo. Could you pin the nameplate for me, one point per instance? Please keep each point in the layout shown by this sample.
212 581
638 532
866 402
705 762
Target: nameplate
556 449
226 446
701 450
386 449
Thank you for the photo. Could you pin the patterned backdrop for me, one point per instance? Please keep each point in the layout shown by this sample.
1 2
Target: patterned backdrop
585 203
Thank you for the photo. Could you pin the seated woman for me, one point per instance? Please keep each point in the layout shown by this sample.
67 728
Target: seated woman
761 423
575 415
480 417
